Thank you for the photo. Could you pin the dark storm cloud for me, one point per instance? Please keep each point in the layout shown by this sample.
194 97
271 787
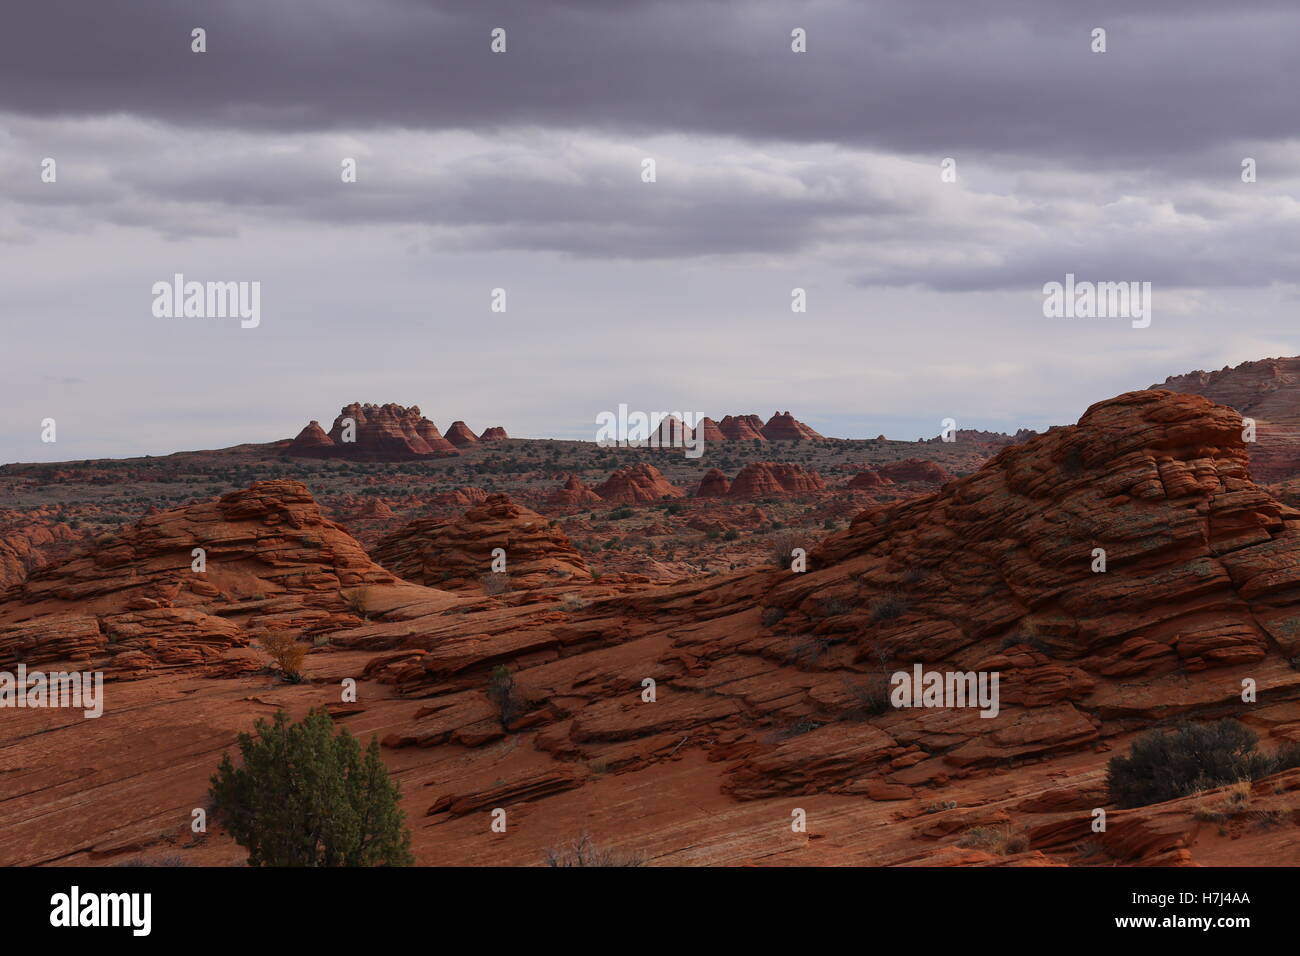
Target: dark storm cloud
1010 77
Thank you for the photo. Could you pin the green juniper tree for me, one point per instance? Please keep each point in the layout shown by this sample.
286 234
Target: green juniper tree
306 797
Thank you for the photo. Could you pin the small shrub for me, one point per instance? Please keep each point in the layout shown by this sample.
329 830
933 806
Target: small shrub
358 600
584 852
887 608
782 549
287 653
501 691
993 840
1163 765
495 583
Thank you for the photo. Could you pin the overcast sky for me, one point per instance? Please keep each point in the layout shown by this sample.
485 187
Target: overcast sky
523 170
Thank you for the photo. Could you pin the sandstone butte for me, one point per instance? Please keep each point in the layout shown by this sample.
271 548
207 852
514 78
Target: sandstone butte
495 433
573 494
714 484
382 433
1267 391
710 431
774 478
782 426
459 434
742 428
457 555
764 678
637 484
914 469
868 478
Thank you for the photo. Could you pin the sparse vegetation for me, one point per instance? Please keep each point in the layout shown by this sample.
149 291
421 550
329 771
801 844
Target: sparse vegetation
287 652
584 852
358 600
994 840
307 797
501 691
887 607
495 583
1165 764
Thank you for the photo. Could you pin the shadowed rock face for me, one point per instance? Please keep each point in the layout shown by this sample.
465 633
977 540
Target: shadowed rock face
573 494
767 681
455 555
1267 391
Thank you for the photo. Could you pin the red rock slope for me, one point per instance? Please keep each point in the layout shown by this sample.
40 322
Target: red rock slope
456 555
1267 391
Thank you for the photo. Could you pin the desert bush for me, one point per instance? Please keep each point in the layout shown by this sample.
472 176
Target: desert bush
584 852
287 653
993 840
495 583
887 607
1162 765
306 797
505 698
358 599
782 546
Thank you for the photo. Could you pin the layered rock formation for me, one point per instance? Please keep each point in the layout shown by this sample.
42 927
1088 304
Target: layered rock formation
459 434
495 433
1267 391
709 431
742 428
376 432
637 485
783 426
774 478
573 494
714 484
144 598
457 555
868 478
914 469
770 684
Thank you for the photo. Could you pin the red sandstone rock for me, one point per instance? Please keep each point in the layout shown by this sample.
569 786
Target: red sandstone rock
379 433
710 431
1267 391
742 428
312 442
456 555
868 478
782 426
714 484
913 469
495 433
637 484
573 494
774 478
460 435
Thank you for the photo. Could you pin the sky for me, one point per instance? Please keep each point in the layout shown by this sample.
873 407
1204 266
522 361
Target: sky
522 170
